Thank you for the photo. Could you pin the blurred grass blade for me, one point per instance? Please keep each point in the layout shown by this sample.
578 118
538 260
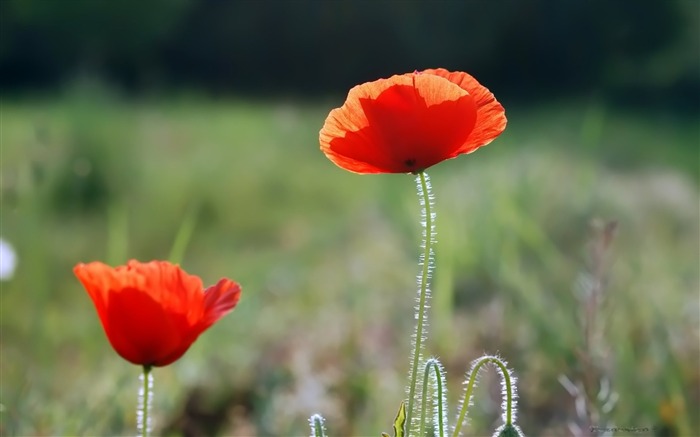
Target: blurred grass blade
184 235
117 233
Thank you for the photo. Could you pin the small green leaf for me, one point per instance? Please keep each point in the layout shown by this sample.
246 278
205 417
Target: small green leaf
400 421
385 434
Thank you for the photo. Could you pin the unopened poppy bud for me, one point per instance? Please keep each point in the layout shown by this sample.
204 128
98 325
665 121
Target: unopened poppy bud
508 430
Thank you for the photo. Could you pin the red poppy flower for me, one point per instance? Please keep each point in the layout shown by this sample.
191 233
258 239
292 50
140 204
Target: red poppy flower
409 122
152 312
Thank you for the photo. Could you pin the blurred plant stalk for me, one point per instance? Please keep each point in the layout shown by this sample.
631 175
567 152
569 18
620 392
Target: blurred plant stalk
591 388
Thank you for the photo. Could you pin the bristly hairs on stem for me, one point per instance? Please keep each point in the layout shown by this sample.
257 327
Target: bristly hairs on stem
426 199
144 403
434 384
318 425
508 391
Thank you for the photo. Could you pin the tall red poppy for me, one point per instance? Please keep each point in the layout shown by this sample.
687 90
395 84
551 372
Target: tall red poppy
152 312
409 122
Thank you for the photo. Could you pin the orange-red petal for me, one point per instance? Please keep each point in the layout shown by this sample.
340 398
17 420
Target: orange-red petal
410 122
402 124
490 116
153 312
219 299
141 330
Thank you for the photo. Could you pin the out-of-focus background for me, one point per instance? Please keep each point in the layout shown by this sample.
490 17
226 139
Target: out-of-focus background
188 130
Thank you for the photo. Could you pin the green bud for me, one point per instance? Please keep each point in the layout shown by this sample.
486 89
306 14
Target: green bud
508 430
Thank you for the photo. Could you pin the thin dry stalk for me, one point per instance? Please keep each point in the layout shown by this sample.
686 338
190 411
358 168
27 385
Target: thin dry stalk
591 387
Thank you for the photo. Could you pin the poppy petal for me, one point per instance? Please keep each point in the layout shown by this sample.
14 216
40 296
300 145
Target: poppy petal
491 117
398 125
98 279
153 312
219 299
168 284
141 330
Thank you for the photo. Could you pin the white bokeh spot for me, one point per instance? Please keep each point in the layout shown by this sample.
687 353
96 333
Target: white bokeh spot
8 260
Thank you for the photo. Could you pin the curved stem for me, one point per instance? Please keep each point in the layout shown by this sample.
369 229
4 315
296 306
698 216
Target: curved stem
440 399
509 391
425 200
433 364
507 383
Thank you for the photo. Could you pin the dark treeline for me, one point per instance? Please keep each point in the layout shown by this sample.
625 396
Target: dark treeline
641 49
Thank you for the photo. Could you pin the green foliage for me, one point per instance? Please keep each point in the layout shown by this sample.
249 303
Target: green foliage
50 40
317 45
322 256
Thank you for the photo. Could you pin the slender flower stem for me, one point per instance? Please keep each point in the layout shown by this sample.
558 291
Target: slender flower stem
424 401
423 183
143 419
508 391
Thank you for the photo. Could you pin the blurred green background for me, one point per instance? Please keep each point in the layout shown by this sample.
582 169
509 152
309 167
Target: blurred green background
189 129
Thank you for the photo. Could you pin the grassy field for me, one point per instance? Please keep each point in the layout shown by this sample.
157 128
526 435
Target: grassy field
327 260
